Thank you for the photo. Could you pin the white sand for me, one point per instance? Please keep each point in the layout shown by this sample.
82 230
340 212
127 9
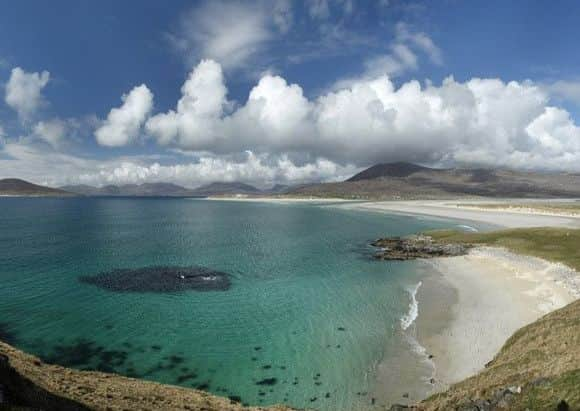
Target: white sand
498 293
451 210
495 292
280 200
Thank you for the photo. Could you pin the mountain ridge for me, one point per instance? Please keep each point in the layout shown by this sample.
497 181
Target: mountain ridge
19 187
408 181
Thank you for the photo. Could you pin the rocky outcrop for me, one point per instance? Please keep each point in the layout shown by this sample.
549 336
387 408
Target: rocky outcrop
416 246
27 383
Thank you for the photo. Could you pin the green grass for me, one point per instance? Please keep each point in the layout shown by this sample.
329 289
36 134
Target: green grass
547 394
554 207
554 244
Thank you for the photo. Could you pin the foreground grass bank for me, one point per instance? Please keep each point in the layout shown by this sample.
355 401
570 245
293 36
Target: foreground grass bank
27 383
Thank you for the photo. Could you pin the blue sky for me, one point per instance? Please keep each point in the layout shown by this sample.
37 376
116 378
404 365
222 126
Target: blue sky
283 91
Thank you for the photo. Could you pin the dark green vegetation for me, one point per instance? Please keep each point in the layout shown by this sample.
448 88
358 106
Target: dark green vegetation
553 244
405 181
17 187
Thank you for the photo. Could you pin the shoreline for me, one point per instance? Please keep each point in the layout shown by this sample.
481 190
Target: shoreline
469 306
453 210
498 292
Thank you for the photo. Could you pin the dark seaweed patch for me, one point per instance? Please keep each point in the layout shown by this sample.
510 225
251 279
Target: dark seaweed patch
160 279
268 381
203 386
6 335
235 398
185 377
86 354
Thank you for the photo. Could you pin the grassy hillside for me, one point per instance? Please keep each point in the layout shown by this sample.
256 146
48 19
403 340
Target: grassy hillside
553 244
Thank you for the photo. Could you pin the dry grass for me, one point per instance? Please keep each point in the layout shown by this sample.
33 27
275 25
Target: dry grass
52 387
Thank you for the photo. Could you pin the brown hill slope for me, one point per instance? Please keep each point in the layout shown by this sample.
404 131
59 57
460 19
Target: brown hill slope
28 382
409 181
17 187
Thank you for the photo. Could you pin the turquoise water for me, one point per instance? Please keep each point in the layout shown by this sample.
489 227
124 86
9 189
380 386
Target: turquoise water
309 314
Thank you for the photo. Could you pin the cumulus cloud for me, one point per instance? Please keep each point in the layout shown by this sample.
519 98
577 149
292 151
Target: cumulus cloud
564 90
482 121
230 32
123 124
24 91
53 168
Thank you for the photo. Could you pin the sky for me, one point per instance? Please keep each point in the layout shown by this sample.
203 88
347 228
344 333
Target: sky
283 92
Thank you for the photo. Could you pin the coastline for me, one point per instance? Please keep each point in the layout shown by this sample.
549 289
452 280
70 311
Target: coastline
468 306
498 292
453 210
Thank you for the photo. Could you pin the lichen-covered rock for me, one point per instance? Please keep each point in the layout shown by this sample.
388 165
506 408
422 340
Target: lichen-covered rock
416 246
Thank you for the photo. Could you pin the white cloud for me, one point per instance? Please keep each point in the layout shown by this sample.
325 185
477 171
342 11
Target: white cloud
123 124
24 91
483 121
231 32
198 111
420 40
318 9
567 90
52 131
43 166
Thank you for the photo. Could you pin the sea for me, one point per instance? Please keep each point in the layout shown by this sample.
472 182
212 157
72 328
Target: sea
308 317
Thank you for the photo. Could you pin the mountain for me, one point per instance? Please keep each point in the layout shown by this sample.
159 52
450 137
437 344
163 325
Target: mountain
17 187
393 181
137 190
389 170
278 189
224 188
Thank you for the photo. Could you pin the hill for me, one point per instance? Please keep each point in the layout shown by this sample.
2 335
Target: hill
223 188
408 181
137 190
17 187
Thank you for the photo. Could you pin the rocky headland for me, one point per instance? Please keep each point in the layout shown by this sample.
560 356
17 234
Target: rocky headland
416 246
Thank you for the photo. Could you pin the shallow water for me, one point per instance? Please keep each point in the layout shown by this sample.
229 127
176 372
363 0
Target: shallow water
307 320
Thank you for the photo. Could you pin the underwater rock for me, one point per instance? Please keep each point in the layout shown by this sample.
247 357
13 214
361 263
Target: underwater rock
160 279
5 334
268 381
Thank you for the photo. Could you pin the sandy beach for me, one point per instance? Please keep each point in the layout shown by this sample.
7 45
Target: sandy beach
468 306
456 209
497 293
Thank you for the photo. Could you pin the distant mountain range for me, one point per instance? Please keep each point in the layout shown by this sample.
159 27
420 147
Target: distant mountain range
130 190
390 181
17 187
411 181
